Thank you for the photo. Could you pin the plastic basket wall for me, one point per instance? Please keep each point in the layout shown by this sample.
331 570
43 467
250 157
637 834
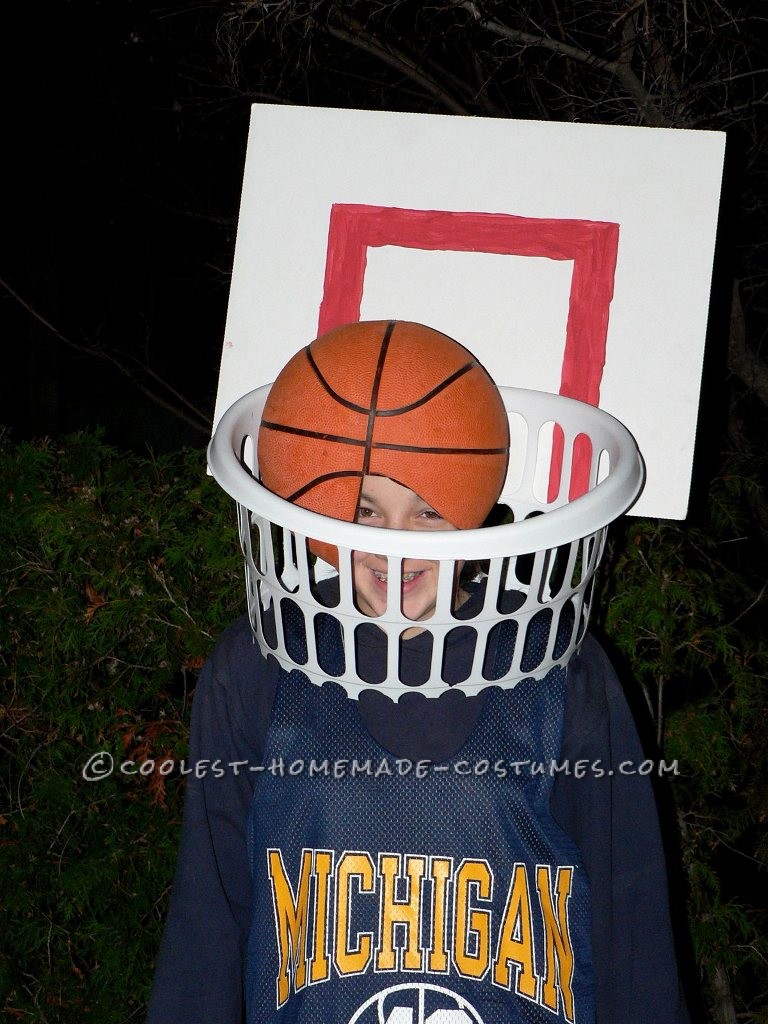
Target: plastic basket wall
573 470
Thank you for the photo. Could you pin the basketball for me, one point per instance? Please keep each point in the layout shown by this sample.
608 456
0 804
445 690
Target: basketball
386 398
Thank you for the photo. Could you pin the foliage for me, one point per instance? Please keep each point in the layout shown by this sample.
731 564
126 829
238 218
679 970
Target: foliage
117 573
685 607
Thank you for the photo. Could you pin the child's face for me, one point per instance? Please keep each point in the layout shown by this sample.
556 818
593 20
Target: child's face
391 506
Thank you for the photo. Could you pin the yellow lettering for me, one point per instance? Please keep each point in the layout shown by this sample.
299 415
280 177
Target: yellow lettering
352 959
516 948
440 872
472 925
290 921
557 939
319 968
395 912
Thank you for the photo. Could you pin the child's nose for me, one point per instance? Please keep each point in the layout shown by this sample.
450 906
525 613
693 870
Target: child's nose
397 521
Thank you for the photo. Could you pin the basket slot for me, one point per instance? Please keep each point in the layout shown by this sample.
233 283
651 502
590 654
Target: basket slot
586 604
421 671
553 574
580 551
244 530
263 612
248 454
563 635
329 648
603 467
581 472
499 649
283 558
250 525
303 568
574 554
294 629
546 482
538 575
537 640
518 574
519 441
440 666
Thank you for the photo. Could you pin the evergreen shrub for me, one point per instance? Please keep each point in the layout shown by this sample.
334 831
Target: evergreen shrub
118 572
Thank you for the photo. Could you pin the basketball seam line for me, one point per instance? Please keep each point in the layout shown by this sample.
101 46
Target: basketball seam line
379 445
336 397
354 407
430 394
372 409
382 445
317 434
339 474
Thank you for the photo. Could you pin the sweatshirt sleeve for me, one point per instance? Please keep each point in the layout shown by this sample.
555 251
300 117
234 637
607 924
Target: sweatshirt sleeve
198 976
613 819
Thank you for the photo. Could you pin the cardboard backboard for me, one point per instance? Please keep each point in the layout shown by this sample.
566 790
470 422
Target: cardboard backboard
569 258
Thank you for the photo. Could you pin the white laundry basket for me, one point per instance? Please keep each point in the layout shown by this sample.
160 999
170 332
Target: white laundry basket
573 470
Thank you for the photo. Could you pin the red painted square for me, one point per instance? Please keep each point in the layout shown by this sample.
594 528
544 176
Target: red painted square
592 245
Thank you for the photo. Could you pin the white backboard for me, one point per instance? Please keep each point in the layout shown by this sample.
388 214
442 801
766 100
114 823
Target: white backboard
569 258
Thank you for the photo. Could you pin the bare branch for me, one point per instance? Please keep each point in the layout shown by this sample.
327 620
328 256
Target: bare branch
395 59
198 421
620 70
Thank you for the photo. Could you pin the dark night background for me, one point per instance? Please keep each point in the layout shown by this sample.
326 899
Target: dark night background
125 138
125 160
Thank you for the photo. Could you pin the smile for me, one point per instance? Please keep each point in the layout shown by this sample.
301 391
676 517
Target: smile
406 577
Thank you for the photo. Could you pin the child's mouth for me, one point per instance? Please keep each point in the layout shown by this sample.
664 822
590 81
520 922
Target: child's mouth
406 577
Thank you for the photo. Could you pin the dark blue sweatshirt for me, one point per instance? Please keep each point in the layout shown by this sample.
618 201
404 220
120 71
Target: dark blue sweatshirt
610 815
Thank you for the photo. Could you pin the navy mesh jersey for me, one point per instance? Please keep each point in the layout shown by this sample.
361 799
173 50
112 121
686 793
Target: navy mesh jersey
433 894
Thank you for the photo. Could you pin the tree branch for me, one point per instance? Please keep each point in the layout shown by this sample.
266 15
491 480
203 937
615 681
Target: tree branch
197 421
395 59
620 70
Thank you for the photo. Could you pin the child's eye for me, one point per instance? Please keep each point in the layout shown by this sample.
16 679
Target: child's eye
431 515
365 513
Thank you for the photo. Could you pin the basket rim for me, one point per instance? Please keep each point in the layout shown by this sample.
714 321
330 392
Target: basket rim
583 516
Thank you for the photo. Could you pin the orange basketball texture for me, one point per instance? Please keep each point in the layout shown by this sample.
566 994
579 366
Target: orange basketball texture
389 398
